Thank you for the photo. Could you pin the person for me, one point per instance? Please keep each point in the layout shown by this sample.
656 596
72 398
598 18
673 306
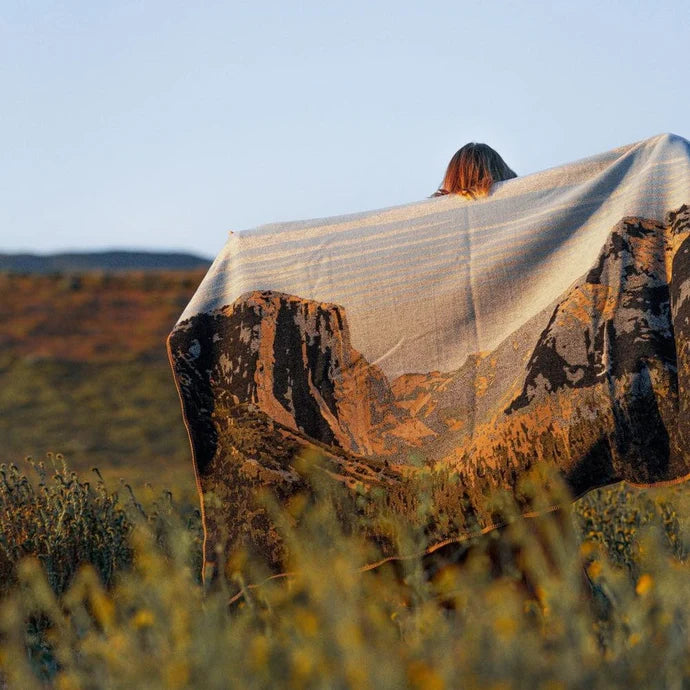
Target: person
472 171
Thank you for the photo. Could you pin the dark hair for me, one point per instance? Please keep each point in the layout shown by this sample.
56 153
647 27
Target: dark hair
472 171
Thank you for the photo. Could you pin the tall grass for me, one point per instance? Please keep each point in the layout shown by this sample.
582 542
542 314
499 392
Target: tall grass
61 521
445 620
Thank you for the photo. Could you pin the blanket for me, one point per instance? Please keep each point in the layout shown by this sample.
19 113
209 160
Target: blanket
547 324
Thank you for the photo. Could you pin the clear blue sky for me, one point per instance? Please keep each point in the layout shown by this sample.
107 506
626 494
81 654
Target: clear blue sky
163 124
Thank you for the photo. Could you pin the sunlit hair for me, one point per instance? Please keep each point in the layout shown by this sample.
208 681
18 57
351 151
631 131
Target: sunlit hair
472 171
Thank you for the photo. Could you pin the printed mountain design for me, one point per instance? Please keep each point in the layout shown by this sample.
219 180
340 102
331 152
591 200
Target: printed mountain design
291 359
590 385
268 378
602 380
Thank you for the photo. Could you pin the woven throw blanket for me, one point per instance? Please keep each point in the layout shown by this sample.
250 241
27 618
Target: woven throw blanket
548 323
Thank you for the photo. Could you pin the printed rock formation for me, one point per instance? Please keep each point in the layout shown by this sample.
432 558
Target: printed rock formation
590 385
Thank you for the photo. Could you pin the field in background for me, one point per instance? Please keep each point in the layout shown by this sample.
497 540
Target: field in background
84 372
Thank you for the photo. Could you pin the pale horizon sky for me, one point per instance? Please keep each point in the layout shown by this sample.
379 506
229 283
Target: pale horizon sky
162 125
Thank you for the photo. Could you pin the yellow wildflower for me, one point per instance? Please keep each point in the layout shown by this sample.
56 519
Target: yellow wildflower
422 676
143 618
67 682
594 569
644 584
103 608
587 548
302 663
306 623
505 625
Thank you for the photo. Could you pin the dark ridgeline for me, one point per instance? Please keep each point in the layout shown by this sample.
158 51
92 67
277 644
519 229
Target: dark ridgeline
102 261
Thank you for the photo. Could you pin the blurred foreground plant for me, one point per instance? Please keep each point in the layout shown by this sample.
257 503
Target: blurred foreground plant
429 620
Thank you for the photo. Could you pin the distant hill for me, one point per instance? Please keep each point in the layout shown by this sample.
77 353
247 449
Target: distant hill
101 261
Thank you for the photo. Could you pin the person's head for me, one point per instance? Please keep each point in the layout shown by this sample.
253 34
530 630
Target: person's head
472 171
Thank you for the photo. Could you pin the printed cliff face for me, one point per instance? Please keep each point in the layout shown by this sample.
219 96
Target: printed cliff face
591 386
600 394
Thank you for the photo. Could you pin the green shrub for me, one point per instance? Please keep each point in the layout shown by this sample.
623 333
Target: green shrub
62 522
614 517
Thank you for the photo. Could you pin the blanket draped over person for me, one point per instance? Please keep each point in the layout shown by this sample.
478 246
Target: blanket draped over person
548 323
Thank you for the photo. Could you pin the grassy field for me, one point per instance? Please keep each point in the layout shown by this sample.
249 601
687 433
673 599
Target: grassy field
84 372
99 580
122 417
98 592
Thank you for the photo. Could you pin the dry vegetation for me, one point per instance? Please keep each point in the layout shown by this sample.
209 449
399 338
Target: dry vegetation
94 317
84 371
107 594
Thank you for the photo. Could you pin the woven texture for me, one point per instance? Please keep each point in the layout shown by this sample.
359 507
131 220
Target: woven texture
545 324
